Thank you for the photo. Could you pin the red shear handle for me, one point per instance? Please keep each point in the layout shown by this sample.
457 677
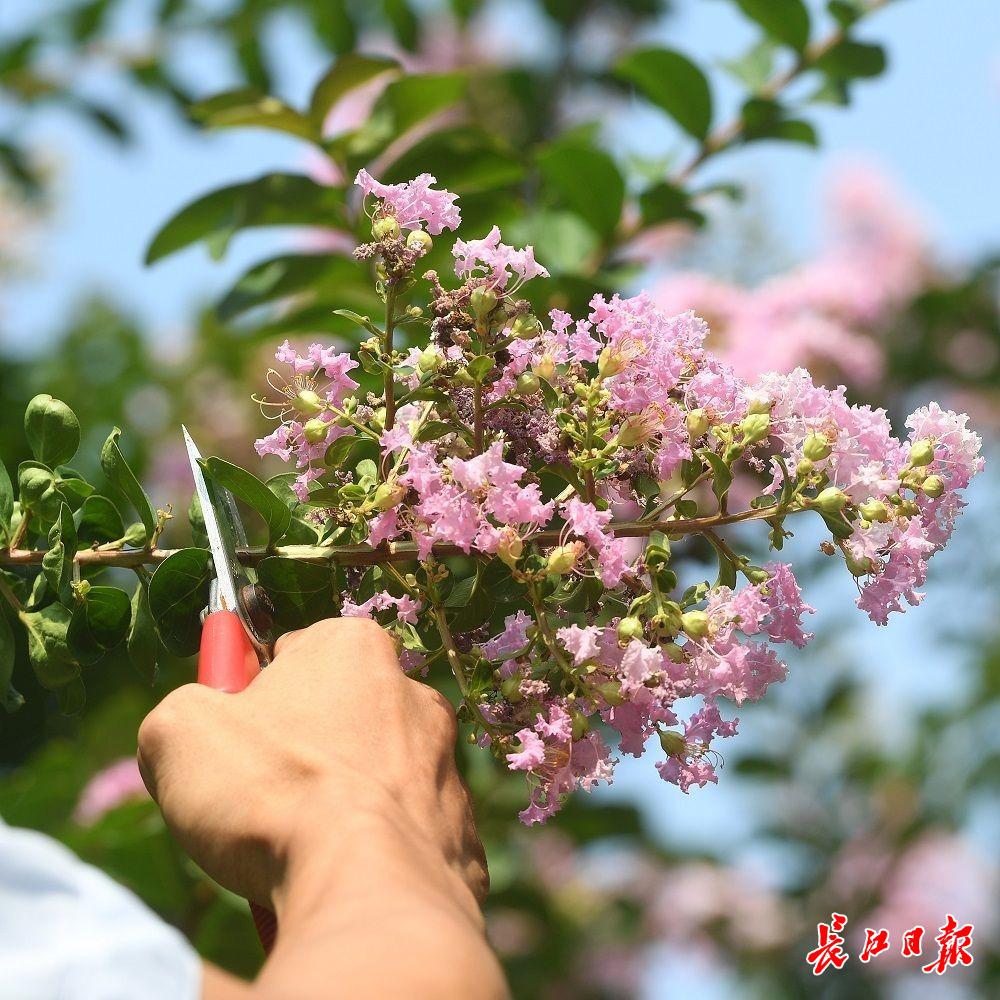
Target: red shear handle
228 662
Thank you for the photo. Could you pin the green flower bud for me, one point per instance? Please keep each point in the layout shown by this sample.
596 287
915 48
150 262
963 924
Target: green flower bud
308 402
756 574
388 495
675 654
581 725
696 422
562 558
611 692
630 628
816 447
462 378
933 486
135 534
922 452
874 510
673 744
609 363
419 240
511 690
385 226
856 566
526 327
759 404
635 429
908 508
831 500
756 427
315 430
695 624
430 359
527 384
804 468
483 301
510 548
545 367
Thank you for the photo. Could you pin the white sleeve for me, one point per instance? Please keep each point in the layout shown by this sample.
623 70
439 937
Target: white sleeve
68 932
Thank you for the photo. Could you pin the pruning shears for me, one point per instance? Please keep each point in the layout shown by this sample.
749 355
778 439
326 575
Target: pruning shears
237 626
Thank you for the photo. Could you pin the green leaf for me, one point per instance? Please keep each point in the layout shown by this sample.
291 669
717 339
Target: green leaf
302 593
178 593
98 520
253 493
847 12
143 646
464 159
727 568
786 21
118 472
837 524
6 502
52 430
280 277
480 366
364 322
47 648
586 181
764 119
666 202
276 199
754 68
9 696
57 563
563 242
249 108
405 25
99 624
72 697
849 60
462 591
722 475
672 82
349 71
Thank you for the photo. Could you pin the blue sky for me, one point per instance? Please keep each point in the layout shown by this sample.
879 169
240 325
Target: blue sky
933 121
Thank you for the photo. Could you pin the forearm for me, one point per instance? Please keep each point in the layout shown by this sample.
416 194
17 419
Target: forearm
374 913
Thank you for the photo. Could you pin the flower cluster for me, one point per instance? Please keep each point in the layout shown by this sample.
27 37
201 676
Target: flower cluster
524 478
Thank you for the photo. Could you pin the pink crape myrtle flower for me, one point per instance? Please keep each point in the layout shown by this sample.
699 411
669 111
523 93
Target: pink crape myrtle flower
118 783
415 203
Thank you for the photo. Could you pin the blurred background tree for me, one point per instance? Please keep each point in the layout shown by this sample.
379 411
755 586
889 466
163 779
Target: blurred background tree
838 811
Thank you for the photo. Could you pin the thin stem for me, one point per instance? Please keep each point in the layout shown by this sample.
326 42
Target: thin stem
389 382
365 555
22 530
9 596
477 416
548 636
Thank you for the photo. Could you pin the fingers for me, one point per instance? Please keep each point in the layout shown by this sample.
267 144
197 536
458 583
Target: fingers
339 644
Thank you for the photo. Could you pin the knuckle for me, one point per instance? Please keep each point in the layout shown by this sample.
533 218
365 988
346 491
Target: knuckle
442 715
162 724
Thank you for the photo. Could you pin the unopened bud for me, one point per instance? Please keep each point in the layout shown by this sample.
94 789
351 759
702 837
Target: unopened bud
831 500
635 429
135 534
804 468
816 447
922 452
581 725
511 690
759 404
630 628
673 743
697 422
756 574
695 624
419 240
308 402
858 565
527 384
755 427
525 327
510 548
385 226
388 495
315 430
483 301
933 486
545 367
562 559
609 363
874 510
430 359
611 692
414 312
